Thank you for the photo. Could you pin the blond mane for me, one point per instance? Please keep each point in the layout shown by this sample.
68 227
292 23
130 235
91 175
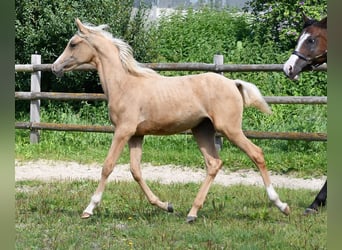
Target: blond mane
125 51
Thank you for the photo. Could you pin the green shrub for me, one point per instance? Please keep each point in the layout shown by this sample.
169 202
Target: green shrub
195 36
192 36
281 21
45 27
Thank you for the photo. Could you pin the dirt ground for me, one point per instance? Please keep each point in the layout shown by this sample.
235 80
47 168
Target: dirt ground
47 170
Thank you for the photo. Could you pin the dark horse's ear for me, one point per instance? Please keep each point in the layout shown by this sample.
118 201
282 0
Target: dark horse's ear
307 20
323 23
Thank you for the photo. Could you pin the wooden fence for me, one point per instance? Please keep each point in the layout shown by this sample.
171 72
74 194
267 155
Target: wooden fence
35 68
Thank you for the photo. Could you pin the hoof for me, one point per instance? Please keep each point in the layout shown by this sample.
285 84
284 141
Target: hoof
191 219
85 215
170 207
287 210
310 211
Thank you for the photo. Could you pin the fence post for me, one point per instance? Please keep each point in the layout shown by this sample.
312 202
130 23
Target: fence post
35 104
218 60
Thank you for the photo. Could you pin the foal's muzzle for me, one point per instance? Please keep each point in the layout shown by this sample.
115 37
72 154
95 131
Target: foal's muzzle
58 68
59 72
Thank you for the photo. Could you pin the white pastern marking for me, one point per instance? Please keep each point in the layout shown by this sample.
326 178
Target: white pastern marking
272 194
95 200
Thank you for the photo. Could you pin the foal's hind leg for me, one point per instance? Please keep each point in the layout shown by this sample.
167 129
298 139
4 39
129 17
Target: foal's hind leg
135 148
256 155
204 134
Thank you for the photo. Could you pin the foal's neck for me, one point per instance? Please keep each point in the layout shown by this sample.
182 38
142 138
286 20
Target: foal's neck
111 72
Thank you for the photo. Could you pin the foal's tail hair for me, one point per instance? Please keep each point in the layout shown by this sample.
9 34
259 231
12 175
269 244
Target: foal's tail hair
252 97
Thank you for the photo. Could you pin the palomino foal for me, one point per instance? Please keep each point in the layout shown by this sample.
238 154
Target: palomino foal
142 102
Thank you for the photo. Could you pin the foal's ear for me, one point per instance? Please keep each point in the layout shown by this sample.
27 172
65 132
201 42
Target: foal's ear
80 26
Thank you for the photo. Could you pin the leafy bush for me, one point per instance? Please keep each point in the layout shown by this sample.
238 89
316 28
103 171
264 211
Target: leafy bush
281 21
196 35
45 27
191 36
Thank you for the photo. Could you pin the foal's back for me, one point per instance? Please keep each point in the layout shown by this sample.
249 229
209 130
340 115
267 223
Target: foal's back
206 88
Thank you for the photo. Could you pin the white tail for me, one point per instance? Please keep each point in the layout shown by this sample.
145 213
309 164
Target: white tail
252 97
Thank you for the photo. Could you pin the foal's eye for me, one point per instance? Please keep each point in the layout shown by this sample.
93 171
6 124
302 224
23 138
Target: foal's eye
72 45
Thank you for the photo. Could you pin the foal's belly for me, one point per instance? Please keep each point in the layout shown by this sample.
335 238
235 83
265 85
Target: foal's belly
165 128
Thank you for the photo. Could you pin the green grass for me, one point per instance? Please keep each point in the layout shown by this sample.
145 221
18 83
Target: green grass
281 156
304 159
238 217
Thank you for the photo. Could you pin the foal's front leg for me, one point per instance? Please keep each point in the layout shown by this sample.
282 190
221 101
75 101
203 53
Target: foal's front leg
135 150
115 150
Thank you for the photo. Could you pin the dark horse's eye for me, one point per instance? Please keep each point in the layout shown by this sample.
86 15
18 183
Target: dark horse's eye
311 40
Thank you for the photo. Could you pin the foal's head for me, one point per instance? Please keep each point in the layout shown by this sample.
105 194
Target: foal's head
92 43
79 50
311 49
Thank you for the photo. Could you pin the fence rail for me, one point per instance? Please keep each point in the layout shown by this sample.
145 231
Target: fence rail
35 96
101 97
111 129
218 68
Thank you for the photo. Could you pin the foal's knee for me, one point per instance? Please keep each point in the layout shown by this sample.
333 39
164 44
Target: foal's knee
107 168
106 171
213 166
136 175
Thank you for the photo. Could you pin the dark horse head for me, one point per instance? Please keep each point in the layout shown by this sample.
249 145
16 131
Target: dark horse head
311 49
